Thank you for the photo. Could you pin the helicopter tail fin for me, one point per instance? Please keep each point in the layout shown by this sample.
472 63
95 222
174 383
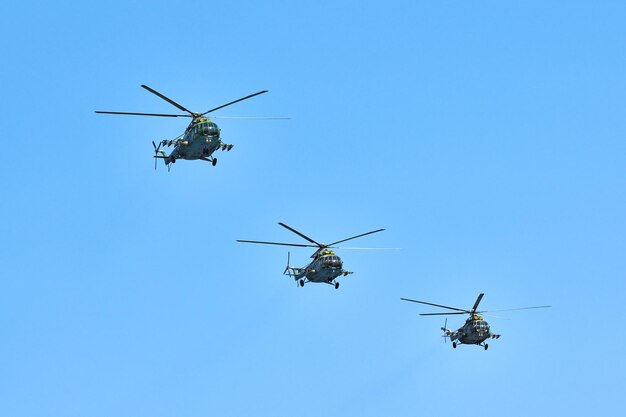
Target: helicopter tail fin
447 333
167 160
163 155
287 267
292 271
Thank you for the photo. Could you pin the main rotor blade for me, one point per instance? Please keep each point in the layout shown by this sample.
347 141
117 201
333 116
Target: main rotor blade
480 297
437 305
354 237
302 235
440 314
143 114
169 100
350 248
513 309
301 245
233 102
251 117
497 317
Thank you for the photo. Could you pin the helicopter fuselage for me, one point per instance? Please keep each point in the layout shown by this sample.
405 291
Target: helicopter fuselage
200 140
474 332
324 268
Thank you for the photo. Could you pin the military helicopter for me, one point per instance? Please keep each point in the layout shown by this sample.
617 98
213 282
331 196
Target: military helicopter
475 330
201 138
325 267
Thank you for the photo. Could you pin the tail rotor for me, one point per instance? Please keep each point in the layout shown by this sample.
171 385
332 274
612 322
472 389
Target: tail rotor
445 331
287 267
287 271
156 153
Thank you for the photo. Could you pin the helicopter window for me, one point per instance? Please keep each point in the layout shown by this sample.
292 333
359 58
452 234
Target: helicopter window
207 129
212 128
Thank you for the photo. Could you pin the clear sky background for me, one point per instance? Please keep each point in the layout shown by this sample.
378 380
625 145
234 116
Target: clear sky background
487 137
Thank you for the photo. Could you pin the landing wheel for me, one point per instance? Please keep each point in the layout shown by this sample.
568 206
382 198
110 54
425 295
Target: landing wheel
214 161
173 160
454 345
336 285
486 346
302 283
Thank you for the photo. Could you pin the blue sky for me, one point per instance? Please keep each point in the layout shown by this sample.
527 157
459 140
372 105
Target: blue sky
487 137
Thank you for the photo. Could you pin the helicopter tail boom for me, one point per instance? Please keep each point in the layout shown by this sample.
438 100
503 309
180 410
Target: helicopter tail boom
292 271
160 154
164 157
447 333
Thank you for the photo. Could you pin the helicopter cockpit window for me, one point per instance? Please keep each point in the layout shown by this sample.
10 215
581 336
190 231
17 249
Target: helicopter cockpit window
481 325
210 129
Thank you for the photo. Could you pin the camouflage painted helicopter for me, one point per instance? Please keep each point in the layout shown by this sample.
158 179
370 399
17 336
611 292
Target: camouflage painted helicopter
325 266
201 138
475 330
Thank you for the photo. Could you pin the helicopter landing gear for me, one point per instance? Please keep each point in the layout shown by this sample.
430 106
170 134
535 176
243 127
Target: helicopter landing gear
336 285
454 345
486 346
302 283
214 161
